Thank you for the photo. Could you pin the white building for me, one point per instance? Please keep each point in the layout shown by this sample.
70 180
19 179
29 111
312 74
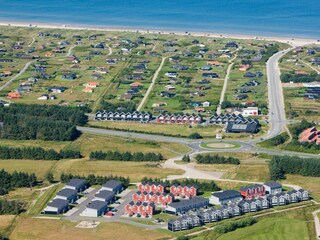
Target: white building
57 206
225 197
95 209
272 187
250 111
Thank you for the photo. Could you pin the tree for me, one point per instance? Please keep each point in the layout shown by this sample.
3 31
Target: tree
49 177
195 136
186 158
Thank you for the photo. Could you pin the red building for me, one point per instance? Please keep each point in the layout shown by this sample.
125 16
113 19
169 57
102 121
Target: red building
157 198
187 191
253 191
143 208
152 187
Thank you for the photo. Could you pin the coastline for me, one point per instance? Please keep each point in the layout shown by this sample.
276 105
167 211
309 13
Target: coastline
291 41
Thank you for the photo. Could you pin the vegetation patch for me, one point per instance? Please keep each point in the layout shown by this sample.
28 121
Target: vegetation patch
126 156
216 159
220 145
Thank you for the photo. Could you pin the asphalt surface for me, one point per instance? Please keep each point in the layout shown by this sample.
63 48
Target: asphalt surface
277 115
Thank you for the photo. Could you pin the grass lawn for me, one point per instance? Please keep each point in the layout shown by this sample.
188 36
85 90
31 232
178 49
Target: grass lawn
91 142
293 225
134 170
38 167
312 184
43 199
182 130
29 228
5 221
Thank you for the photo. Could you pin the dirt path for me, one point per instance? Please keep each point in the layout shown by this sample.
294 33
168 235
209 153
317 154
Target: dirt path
16 76
225 84
110 50
69 53
317 222
152 84
309 65
32 42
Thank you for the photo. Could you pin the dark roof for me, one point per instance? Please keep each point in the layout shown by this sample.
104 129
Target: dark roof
58 203
226 194
97 205
76 182
186 203
249 187
66 192
273 184
112 184
105 194
237 128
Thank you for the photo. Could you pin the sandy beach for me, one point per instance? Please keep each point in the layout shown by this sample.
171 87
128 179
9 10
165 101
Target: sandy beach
292 41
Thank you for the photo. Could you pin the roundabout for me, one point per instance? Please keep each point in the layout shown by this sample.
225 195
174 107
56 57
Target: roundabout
220 145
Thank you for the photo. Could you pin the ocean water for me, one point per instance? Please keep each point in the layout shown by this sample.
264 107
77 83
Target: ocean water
289 18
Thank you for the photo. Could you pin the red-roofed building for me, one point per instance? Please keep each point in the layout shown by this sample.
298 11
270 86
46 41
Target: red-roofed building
310 135
14 95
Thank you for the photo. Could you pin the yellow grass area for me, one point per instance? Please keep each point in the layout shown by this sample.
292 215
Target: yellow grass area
311 184
30 228
134 170
183 130
23 194
38 167
5 221
34 143
247 172
87 143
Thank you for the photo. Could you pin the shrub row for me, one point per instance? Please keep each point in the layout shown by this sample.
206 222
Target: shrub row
216 159
36 153
231 226
126 156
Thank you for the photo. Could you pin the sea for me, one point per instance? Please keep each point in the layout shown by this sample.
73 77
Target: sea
277 18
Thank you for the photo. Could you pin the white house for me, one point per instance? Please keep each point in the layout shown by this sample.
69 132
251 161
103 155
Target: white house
57 206
225 197
272 187
105 196
76 184
206 104
67 194
95 209
113 186
250 111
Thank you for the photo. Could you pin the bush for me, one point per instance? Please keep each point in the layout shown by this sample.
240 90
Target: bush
216 159
10 181
10 207
36 153
126 156
186 158
195 136
231 226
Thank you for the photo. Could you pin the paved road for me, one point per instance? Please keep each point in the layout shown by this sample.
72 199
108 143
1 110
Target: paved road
194 145
317 222
16 76
152 84
277 116
225 84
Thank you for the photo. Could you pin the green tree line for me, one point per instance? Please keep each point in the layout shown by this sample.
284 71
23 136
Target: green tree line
231 226
92 179
10 207
281 165
36 153
298 78
10 181
216 159
126 156
49 123
53 112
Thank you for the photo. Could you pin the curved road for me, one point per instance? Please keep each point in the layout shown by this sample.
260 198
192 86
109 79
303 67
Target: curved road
277 115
